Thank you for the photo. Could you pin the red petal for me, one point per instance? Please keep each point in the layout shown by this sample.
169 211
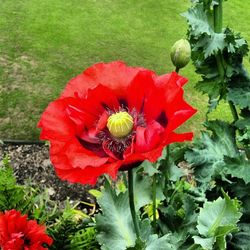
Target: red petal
154 105
85 112
179 118
140 89
171 77
66 151
170 84
88 175
115 75
17 228
80 118
36 234
155 153
75 156
108 151
55 122
146 96
177 110
173 137
99 99
151 156
101 124
148 138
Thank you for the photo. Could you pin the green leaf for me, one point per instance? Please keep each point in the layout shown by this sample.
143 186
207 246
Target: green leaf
217 219
222 233
96 193
245 137
206 243
120 186
161 243
114 226
145 230
241 239
243 123
149 168
238 167
235 43
208 153
214 44
190 218
143 190
151 241
217 215
240 96
207 41
180 215
139 245
84 239
7 178
175 173
213 89
166 242
210 87
197 20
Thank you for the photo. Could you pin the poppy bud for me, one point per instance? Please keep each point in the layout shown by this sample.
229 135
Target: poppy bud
180 53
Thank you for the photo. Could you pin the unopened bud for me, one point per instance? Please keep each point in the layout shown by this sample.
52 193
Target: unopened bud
181 53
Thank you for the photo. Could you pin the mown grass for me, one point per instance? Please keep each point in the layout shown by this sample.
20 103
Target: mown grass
45 43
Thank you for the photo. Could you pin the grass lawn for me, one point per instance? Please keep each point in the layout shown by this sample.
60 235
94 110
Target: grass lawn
45 43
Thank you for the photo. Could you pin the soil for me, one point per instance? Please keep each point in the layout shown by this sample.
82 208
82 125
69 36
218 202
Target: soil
31 164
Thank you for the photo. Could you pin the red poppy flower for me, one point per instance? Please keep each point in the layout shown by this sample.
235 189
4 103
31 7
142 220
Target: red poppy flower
18 233
113 117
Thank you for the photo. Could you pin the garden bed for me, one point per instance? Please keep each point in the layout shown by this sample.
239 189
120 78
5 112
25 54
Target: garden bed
31 164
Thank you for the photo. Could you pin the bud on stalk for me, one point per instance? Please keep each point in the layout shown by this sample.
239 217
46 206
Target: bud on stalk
180 53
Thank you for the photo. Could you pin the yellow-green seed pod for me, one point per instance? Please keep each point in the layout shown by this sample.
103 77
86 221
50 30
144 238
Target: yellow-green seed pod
180 53
120 124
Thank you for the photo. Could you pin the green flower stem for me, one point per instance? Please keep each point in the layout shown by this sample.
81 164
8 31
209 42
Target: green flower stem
168 154
174 193
131 201
166 165
154 202
233 111
218 13
193 247
177 70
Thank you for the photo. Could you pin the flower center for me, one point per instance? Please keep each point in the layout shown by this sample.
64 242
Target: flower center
120 124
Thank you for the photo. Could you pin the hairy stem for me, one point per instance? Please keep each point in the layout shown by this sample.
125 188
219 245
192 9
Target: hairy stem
194 246
154 202
131 201
218 13
167 160
233 111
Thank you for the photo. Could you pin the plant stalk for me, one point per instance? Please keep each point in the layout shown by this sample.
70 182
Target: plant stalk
167 162
218 13
233 111
154 202
131 201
